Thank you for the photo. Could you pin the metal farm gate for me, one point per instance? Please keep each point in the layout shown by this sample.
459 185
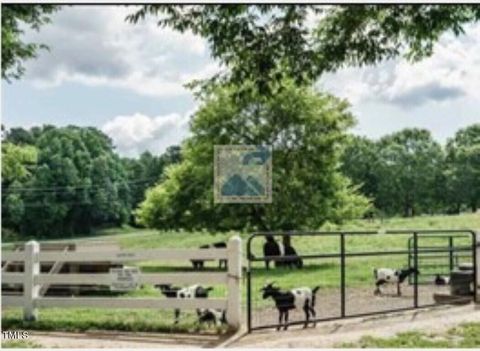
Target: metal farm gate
433 263
342 265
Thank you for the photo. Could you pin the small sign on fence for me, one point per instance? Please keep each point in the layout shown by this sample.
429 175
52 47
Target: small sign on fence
124 279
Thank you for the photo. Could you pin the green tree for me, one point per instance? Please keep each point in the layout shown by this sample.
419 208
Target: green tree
17 162
78 183
306 130
145 171
360 164
267 43
410 162
463 168
14 50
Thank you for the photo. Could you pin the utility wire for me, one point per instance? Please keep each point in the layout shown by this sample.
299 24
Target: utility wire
70 188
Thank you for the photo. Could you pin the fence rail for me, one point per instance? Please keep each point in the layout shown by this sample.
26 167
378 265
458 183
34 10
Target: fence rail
32 280
134 255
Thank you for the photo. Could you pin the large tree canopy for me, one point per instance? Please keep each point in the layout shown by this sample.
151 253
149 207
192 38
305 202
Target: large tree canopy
403 173
305 129
463 168
14 50
267 43
360 163
410 161
75 183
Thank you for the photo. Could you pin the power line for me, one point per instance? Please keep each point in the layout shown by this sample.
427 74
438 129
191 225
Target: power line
70 188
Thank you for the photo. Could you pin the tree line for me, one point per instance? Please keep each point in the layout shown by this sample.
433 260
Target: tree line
409 173
67 181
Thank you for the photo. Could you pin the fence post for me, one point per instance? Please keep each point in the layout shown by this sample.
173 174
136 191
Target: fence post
415 264
30 289
477 268
234 294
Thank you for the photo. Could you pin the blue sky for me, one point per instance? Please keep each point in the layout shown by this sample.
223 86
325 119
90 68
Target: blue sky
128 81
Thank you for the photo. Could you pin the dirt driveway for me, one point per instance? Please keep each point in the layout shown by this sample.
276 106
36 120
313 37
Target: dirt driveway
330 334
121 340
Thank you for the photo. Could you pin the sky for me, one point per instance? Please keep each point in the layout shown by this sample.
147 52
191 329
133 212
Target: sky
128 80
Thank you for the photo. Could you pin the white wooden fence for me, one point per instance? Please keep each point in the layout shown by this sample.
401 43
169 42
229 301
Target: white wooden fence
33 280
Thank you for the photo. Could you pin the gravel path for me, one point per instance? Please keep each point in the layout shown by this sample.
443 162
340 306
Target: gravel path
331 334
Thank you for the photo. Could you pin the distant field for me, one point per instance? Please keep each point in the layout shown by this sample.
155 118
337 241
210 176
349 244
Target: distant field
323 272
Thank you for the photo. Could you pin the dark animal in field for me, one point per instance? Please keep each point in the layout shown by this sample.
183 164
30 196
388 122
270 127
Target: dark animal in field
298 298
211 316
385 276
441 280
199 264
290 257
271 249
190 292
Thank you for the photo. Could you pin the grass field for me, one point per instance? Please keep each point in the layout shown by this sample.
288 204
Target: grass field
20 344
464 336
323 272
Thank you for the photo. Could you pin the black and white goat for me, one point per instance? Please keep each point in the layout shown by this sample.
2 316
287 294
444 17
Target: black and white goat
391 276
212 316
199 264
299 298
190 292
441 280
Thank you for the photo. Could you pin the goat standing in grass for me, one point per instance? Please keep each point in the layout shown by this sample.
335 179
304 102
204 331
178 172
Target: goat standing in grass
190 292
299 298
391 276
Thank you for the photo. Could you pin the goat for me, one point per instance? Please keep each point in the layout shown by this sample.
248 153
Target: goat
270 249
199 264
285 301
211 316
391 276
190 292
441 280
290 257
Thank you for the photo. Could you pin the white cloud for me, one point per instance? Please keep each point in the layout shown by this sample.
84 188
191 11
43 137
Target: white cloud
451 72
136 133
95 46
